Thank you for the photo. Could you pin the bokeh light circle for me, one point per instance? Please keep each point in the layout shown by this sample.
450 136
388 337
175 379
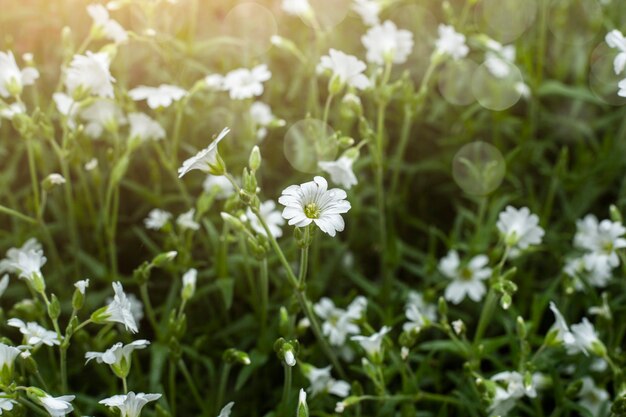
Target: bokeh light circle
252 26
575 22
497 92
308 142
455 80
602 78
329 13
506 20
478 168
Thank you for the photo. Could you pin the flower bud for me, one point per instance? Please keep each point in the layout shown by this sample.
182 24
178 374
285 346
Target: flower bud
54 308
232 356
303 408
254 162
163 259
232 221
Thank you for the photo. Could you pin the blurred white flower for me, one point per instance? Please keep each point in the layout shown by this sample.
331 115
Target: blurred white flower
189 283
12 110
340 171
519 228
7 357
270 215
219 184
4 284
67 107
131 404
339 323
206 159
214 82
90 73
12 79
34 334
372 344
156 97
418 312
615 39
91 164
296 7
368 10
467 280
57 406
510 388
322 382
592 268
499 59
156 219
451 43
12 255
601 238
6 403
144 127
186 220
102 115
82 285
244 83
226 410
262 116
622 88
102 22
593 398
119 310
312 202
348 69
387 42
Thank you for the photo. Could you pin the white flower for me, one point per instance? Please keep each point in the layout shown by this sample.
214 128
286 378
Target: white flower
581 338
9 264
118 356
82 285
214 82
340 171
244 83
119 310
347 68
204 160
289 357
339 323
186 220
189 283
418 312
7 357
499 59
372 344
67 107
296 7
101 20
368 10
34 334
602 238
6 404
100 116
225 412
91 164
91 73
12 110
144 127
156 219
57 406
510 388
55 179
385 42
593 268
615 39
161 96
4 283
321 382
28 264
519 228
458 326
12 80
450 42
262 116
270 215
467 280
131 404
312 202
593 398
220 185
622 88
302 405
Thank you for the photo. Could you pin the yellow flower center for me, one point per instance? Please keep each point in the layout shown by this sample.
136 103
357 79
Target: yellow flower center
466 274
312 211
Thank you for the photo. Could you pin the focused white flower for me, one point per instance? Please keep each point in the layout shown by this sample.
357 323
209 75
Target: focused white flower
322 382
368 10
467 280
102 115
90 73
144 127
270 215
296 7
593 398
418 312
57 406
101 20
312 202
510 388
225 412
156 219
601 238
12 79
118 356
244 83
220 185
131 404
387 42
205 160
34 334
339 323
82 285
156 97
119 310
615 39
519 228
372 344
6 404
28 264
186 220
451 43
340 171
348 69
7 358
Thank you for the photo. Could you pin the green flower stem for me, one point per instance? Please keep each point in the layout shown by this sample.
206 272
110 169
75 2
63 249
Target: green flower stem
145 297
284 407
222 387
172 387
264 284
418 397
329 101
124 385
17 214
304 259
486 316
33 173
30 405
200 402
62 346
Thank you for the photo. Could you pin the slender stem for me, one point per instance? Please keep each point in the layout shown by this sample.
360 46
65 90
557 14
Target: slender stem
172 386
192 386
33 172
486 316
264 283
145 297
329 100
125 385
286 391
222 387
304 259
17 214
63 366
